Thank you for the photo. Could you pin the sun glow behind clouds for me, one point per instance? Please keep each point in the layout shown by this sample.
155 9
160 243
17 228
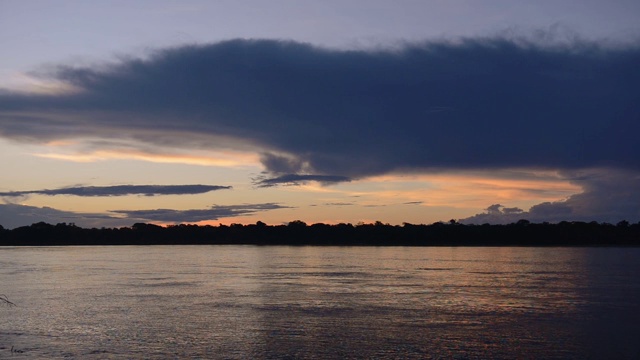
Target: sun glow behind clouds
25 83
423 198
231 159
455 189
397 198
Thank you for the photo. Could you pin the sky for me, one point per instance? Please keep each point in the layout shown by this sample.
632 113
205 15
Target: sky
220 112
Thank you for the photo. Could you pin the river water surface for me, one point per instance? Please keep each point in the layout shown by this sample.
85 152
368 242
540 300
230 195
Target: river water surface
241 302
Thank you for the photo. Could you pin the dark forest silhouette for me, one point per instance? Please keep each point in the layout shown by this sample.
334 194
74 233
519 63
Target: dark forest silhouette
521 233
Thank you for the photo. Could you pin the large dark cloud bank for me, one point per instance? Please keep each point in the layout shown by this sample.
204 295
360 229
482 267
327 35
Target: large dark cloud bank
334 115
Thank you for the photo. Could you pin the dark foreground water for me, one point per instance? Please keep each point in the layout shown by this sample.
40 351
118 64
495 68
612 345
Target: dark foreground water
241 302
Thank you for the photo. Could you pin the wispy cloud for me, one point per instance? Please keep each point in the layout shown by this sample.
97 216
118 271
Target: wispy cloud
120 190
195 215
294 179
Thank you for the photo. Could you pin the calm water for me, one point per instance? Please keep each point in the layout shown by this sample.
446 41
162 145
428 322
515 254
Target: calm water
239 302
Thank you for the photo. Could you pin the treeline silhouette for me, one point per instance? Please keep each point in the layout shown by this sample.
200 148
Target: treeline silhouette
521 233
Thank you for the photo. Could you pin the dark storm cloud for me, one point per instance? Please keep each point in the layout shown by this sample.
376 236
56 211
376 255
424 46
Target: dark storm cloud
121 190
471 103
214 213
293 179
609 196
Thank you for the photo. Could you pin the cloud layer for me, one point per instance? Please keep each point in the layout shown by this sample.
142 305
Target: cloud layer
294 179
474 103
317 114
213 213
609 196
14 215
120 190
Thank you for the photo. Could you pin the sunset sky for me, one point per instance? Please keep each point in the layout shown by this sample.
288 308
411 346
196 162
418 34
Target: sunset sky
117 112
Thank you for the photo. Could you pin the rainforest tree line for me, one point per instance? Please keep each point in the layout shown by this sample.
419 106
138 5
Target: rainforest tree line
452 233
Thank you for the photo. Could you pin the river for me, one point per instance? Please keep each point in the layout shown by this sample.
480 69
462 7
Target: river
281 302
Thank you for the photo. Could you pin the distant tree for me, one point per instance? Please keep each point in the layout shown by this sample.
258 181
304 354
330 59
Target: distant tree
623 223
142 226
297 223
